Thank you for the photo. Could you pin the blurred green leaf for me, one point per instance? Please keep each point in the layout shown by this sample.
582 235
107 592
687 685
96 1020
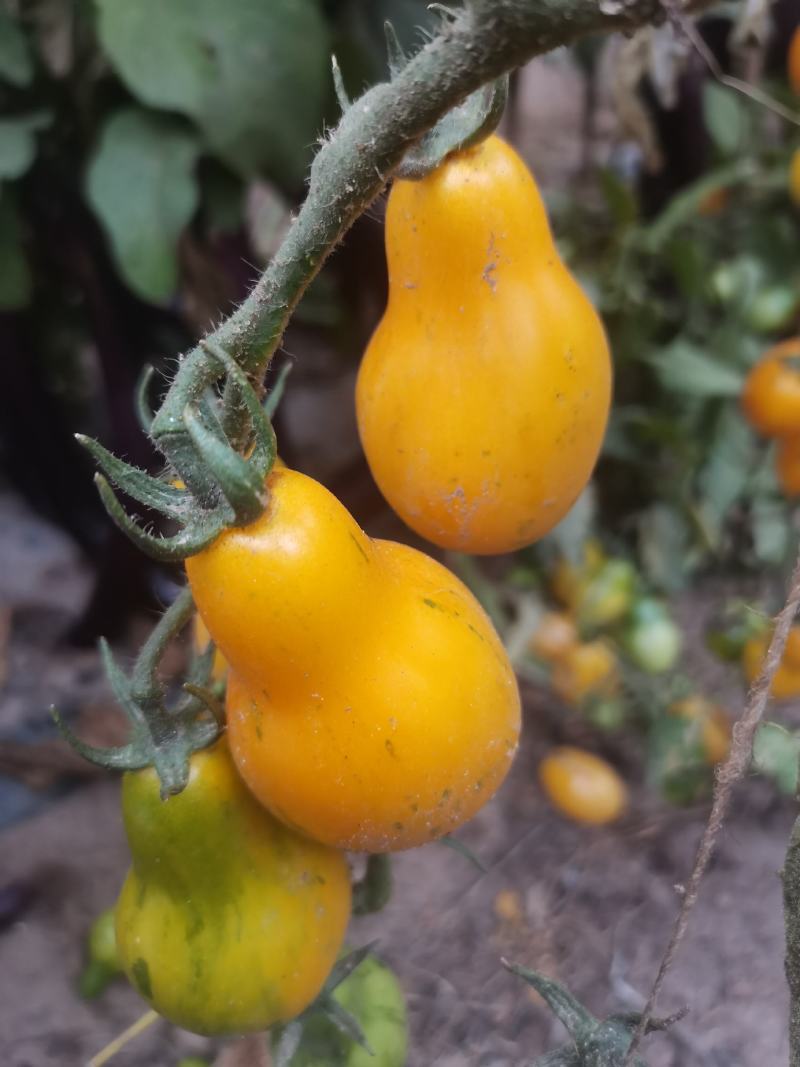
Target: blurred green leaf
16 62
569 537
663 543
16 283
685 368
676 761
361 42
255 76
142 185
683 207
725 117
620 197
776 754
724 477
223 199
771 530
18 142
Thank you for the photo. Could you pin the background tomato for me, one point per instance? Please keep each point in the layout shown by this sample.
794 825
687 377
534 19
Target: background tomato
589 669
651 638
786 683
771 396
583 786
555 635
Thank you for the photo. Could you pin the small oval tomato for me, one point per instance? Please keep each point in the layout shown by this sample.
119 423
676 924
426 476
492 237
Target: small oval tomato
786 683
588 670
787 465
483 396
583 786
555 635
228 921
771 395
370 702
651 638
793 61
713 722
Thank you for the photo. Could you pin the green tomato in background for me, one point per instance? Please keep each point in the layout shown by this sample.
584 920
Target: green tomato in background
373 996
773 308
607 595
651 639
104 963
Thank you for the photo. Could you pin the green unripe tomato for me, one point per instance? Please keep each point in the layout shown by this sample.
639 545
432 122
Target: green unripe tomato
651 639
606 596
772 308
373 996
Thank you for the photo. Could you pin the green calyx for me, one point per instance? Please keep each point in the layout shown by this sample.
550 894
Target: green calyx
221 487
593 1042
467 124
162 737
287 1041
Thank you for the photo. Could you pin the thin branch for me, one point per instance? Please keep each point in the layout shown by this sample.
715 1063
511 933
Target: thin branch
728 775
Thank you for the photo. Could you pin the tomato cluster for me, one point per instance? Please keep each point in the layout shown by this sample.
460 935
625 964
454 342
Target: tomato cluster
370 704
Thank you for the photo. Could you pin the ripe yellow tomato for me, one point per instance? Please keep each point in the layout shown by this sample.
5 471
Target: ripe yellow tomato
555 635
583 786
793 61
787 465
483 396
370 702
771 395
786 683
587 670
714 725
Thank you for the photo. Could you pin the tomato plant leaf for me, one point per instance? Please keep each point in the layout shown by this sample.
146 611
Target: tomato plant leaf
18 142
141 184
16 62
16 282
685 368
776 755
723 479
726 118
232 68
770 530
